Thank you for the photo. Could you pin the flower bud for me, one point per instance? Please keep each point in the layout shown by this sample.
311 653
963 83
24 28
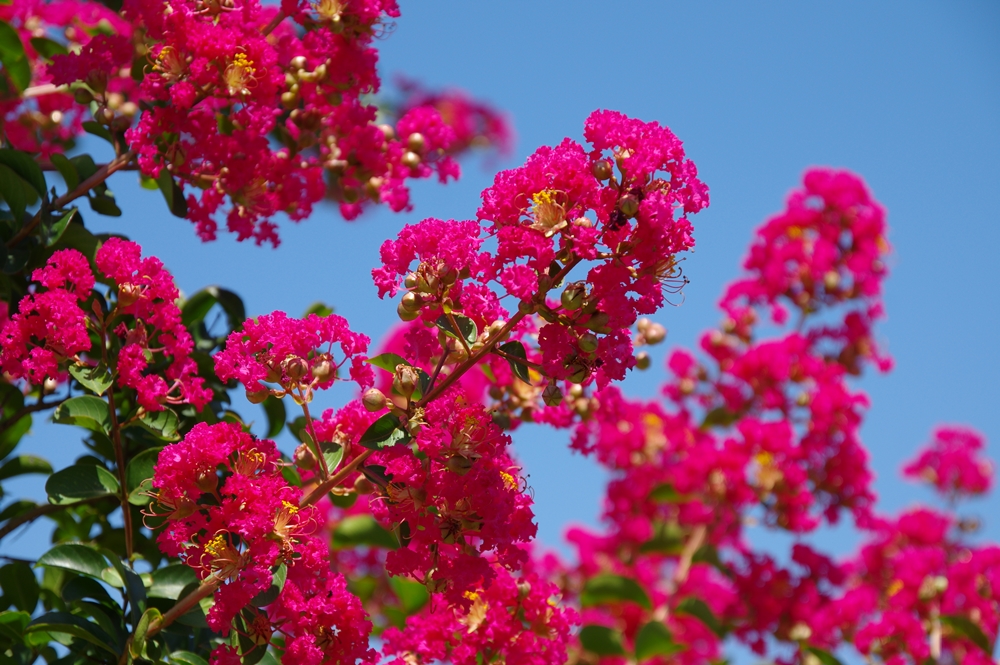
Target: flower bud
304 457
523 589
654 334
416 142
128 294
573 296
411 302
458 464
831 280
496 328
642 360
552 395
629 206
363 486
411 280
598 322
49 385
323 370
298 62
588 342
257 396
405 381
602 169
295 367
526 307
410 159
388 132
405 314
578 373
83 96
374 400
207 481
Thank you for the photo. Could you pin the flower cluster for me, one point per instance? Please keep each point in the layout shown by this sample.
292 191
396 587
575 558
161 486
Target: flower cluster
951 463
142 339
565 207
296 354
231 517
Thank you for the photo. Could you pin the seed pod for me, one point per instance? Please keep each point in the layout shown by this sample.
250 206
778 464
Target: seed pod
654 333
574 296
323 370
295 367
416 142
629 206
458 464
374 400
642 360
588 342
410 159
207 481
552 395
598 322
411 302
578 373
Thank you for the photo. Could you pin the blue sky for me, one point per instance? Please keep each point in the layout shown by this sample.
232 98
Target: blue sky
907 94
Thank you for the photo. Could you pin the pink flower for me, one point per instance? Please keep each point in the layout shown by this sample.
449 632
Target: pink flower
952 464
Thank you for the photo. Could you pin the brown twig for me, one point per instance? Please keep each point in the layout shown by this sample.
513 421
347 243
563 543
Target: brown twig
206 588
321 490
41 511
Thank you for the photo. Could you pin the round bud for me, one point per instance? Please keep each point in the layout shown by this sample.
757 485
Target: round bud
257 396
496 328
363 486
405 314
588 342
629 205
411 302
410 281
323 370
298 62
207 481
405 381
351 195
602 169
49 385
104 115
304 457
373 188
128 294
410 159
388 132
523 589
83 96
450 276
642 360
320 71
416 142
289 99
654 333
373 400
573 296
578 373
526 307
598 322
458 464
295 367
831 280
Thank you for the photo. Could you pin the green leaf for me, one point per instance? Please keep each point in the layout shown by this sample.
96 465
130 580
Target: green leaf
170 581
79 588
961 626
97 129
11 402
197 306
104 204
362 530
389 361
163 424
12 625
602 641
77 558
319 309
20 587
825 657
516 350
467 329
96 379
15 191
23 464
70 624
720 416
186 658
697 608
25 166
85 167
85 411
138 643
140 468
333 455
80 481
654 639
172 193
58 227
665 493
668 538
269 595
274 408
13 57
47 48
66 169
412 595
384 433
609 588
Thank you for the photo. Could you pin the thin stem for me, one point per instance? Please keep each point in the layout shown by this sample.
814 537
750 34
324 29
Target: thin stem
116 438
323 488
458 332
693 544
40 511
278 18
438 368
312 436
37 406
99 177
515 359
205 589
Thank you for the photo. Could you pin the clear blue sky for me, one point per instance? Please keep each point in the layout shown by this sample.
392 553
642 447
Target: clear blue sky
906 94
